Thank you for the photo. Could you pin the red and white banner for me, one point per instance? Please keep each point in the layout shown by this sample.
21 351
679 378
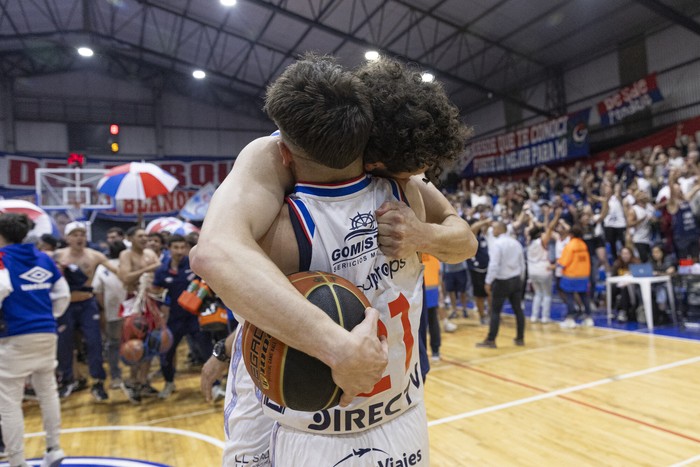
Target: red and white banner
629 100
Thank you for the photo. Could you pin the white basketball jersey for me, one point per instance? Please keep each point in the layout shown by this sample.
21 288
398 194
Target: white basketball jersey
338 223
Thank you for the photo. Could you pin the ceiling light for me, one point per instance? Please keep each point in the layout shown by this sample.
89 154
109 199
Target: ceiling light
372 55
199 74
85 51
428 77
228 2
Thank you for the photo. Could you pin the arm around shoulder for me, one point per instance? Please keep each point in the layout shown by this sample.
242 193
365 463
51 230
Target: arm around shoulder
449 237
232 262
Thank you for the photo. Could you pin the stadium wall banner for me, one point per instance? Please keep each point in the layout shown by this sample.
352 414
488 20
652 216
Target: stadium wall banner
17 180
550 142
629 100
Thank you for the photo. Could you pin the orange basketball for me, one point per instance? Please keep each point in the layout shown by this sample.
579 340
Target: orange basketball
292 378
131 351
135 327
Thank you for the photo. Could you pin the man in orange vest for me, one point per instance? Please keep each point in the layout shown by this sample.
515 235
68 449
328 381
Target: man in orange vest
575 262
431 303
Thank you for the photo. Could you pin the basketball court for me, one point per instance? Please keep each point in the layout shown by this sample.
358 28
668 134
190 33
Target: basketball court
626 397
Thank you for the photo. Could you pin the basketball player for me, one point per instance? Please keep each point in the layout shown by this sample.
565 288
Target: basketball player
78 263
247 202
293 266
136 267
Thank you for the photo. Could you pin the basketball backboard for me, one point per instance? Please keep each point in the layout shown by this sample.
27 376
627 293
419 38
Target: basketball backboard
71 189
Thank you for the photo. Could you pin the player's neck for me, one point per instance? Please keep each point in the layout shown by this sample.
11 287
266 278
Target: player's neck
308 171
76 249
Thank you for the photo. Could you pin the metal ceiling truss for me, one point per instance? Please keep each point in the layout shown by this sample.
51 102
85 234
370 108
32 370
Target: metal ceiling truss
150 38
380 22
165 32
669 13
50 52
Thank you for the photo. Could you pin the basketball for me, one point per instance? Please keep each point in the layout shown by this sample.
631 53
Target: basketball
292 378
135 327
131 351
158 341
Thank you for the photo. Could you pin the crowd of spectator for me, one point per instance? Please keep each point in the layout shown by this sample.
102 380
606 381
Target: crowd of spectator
640 207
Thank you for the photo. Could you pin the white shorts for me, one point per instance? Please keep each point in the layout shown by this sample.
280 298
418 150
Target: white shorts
247 428
402 441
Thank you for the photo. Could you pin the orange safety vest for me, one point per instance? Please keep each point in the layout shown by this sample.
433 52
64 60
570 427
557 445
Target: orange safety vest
431 274
575 259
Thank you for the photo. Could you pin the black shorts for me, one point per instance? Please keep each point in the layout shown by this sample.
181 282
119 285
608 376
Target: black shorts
594 243
455 281
478 282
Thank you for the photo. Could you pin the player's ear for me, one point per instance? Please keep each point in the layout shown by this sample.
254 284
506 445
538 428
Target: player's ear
286 154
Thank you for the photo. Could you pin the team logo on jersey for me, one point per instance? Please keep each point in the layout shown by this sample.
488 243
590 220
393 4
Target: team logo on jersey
360 243
38 276
362 224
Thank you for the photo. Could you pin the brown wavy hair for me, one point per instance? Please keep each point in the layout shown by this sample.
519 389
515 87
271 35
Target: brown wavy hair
322 110
415 123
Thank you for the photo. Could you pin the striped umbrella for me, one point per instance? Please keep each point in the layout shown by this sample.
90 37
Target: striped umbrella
173 225
43 223
136 180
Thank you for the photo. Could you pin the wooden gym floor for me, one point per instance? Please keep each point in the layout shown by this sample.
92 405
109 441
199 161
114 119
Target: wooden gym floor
588 396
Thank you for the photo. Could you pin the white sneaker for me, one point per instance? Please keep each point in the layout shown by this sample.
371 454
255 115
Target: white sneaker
53 458
533 319
449 326
546 320
588 322
435 357
217 393
115 383
568 323
167 391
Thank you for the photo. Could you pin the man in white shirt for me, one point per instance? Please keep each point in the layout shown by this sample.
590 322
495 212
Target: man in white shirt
504 280
639 225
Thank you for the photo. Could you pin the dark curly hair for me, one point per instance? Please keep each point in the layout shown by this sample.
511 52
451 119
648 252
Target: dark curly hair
322 110
14 227
415 124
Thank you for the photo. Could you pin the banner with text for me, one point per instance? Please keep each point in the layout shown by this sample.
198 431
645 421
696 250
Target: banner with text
17 180
629 100
548 142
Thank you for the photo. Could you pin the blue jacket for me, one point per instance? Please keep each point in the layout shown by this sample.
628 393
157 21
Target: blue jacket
176 282
28 308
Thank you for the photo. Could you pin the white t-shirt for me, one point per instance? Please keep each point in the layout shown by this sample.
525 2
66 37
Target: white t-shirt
478 200
538 259
616 215
687 183
642 231
664 193
107 283
644 185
